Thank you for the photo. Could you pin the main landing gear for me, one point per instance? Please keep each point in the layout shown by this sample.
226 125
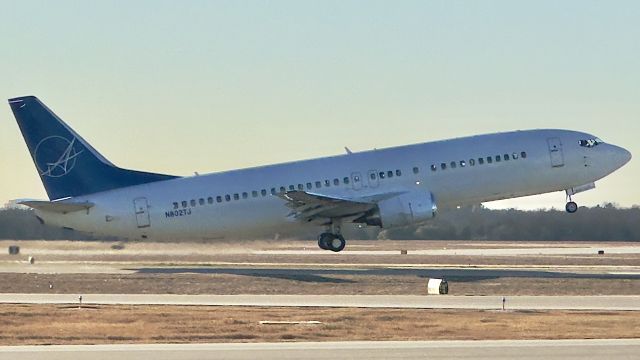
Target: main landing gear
571 206
332 239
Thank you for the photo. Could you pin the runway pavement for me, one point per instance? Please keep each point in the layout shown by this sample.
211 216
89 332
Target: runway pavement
605 303
522 251
486 349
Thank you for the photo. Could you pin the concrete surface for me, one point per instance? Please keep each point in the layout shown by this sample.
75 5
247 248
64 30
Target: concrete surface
486 349
362 301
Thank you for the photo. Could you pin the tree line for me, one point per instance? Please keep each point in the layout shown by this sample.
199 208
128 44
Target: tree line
601 223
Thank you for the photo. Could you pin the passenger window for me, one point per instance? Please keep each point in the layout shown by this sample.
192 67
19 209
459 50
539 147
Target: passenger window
175 205
184 204
398 173
381 174
245 195
309 186
327 183
282 189
193 203
236 197
336 182
498 158
345 180
300 187
263 192
201 201
227 197
210 200
472 162
453 164
434 167
480 161
416 170
389 174
373 176
318 184
273 191
506 157
356 178
489 159
514 156
254 193
523 155
463 163
443 166
292 187
219 199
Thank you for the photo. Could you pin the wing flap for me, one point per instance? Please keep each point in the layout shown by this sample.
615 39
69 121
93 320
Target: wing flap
57 206
312 207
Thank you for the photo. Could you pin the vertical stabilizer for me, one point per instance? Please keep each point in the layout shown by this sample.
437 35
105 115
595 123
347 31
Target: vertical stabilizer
68 166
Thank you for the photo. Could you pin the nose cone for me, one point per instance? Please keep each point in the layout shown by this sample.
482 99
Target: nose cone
621 155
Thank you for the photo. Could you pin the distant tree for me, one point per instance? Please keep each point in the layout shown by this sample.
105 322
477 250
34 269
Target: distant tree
606 222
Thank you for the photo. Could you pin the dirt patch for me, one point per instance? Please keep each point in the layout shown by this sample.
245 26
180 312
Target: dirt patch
305 283
51 324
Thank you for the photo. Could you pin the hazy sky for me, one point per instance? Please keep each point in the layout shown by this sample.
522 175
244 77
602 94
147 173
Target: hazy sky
183 86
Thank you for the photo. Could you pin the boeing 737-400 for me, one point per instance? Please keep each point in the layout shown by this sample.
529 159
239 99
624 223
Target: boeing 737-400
391 187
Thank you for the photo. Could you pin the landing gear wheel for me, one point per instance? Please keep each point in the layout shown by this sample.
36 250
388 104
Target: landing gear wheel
337 243
571 207
324 239
333 242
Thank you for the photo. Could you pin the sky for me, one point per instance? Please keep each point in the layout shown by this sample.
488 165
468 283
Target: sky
179 87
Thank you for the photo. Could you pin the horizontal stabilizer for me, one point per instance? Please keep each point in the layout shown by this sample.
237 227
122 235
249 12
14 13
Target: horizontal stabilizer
57 206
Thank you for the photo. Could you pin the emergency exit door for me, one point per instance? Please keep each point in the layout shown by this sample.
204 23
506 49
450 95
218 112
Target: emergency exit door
141 208
555 152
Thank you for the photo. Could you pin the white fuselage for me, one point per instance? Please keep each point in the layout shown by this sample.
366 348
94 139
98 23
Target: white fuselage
537 161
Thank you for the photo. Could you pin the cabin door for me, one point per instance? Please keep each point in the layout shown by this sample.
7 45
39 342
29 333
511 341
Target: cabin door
555 152
141 208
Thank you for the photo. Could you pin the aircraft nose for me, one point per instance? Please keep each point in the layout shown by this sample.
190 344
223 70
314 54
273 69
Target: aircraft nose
622 155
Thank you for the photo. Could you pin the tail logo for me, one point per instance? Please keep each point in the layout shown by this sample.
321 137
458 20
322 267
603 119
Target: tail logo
56 156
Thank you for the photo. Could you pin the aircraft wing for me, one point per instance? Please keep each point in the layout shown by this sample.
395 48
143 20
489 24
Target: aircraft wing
320 209
57 206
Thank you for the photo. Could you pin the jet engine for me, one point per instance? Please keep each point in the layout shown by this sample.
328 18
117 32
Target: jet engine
405 209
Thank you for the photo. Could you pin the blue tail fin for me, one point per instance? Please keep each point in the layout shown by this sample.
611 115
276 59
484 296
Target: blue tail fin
67 164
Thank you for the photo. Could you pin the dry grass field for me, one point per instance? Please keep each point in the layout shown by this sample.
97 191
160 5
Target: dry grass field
55 324
221 284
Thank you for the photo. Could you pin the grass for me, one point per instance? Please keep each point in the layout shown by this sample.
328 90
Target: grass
51 324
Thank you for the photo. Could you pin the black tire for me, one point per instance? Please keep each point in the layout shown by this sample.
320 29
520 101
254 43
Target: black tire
337 244
323 240
571 207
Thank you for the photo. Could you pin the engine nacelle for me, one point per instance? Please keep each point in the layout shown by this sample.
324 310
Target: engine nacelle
406 209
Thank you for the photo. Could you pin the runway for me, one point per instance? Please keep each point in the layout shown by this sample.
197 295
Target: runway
521 251
611 303
485 349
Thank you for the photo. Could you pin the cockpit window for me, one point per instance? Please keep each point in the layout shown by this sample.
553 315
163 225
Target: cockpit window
589 143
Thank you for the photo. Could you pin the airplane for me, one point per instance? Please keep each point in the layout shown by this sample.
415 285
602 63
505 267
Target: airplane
387 188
